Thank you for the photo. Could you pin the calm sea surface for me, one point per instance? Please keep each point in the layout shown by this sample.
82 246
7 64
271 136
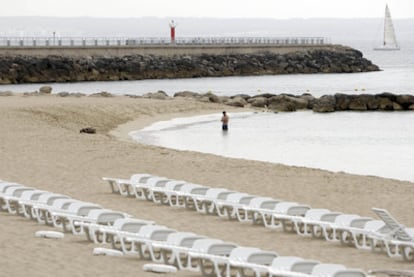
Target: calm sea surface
370 143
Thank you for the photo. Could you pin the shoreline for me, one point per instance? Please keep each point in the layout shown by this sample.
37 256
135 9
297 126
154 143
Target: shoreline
41 147
123 131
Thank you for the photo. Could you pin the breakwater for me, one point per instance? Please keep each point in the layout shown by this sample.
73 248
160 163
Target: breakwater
271 102
34 66
290 103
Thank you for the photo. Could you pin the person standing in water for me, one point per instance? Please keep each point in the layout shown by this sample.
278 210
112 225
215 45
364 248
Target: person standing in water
225 121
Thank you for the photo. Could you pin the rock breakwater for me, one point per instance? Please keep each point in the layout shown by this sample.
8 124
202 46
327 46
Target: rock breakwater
272 102
32 69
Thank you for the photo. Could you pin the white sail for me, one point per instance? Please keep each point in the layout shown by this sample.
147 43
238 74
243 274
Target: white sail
389 41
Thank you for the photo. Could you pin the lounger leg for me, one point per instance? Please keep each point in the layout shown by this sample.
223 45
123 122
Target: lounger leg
408 253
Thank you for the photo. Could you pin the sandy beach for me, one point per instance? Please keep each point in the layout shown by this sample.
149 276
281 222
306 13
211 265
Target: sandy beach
41 146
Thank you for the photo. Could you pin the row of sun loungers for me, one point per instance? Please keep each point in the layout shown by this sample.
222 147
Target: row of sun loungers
160 244
349 229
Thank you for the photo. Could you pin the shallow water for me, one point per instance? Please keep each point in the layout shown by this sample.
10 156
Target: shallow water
369 143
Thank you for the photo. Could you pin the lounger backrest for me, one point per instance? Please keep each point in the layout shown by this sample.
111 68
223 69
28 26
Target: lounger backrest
242 254
156 181
247 199
188 187
161 235
330 217
63 204
4 186
32 195
235 197
184 239
49 198
174 185
285 262
263 202
316 214
360 222
104 216
16 191
139 178
345 219
221 249
327 270
199 190
263 258
215 192
350 273
82 208
396 228
147 230
377 226
189 241
305 266
291 208
213 247
130 225
224 194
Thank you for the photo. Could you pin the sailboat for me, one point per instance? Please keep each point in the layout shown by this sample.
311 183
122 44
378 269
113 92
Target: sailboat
389 40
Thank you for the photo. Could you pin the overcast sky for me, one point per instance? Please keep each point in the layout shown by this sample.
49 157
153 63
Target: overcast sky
278 9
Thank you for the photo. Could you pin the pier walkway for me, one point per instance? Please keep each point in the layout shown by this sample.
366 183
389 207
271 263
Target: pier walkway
77 42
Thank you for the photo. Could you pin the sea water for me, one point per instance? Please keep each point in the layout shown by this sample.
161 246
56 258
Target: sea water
365 143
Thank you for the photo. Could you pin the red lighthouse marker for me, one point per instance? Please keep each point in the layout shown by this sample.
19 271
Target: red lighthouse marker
172 30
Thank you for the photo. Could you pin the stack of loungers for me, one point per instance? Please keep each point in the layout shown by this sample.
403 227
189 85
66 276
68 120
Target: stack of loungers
349 229
160 244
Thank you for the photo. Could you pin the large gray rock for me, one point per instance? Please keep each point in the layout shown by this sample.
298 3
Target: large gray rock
45 89
160 95
186 94
357 103
324 104
385 104
259 102
405 100
287 103
236 102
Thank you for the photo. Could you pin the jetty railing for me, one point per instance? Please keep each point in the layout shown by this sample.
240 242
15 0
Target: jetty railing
136 42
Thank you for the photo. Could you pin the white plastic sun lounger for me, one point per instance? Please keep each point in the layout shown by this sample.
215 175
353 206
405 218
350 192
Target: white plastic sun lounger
336 270
10 196
142 242
229 207
4 185
180 196
212 255
314 221
144 189
399 241
111 233
29 197
341 229
78 225
125 187
251 259
159 195
206 202
283 214
39 200
284 265
175 250
252 210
